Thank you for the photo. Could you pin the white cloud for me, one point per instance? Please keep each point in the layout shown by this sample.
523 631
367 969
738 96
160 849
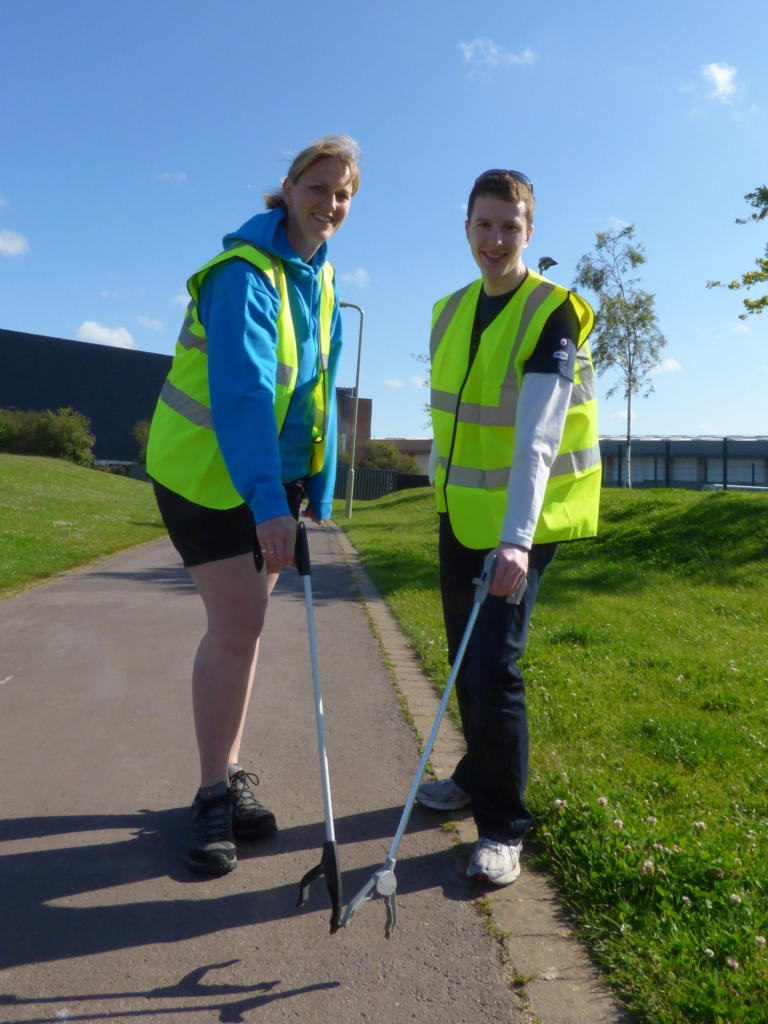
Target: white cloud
740 329
360 278
418 382
484 52
118 293
172 176
182 299
12 244
763 368
153 325
623 416
4 201
393 383
721 77
117 337
667 366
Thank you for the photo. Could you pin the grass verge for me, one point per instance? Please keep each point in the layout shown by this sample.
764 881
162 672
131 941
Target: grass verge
647 673
55 516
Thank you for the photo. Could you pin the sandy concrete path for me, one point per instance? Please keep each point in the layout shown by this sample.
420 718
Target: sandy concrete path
99 917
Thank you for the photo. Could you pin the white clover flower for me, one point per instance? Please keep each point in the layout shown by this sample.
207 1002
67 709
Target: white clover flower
661 872
602 801
560 804
651 820
647 867
700 825
658 846
733 963
709 952
627 848
760 940
735 898
686 901
737 860
618 823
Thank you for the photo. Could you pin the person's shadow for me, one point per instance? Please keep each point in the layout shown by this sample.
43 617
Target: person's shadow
36 929
190 986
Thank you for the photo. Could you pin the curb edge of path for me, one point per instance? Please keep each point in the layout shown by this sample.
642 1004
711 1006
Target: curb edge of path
561 984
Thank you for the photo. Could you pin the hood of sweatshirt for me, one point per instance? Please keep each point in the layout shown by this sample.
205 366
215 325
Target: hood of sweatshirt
266 231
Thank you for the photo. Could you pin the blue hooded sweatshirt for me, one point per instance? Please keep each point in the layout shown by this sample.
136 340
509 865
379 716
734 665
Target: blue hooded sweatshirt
238 309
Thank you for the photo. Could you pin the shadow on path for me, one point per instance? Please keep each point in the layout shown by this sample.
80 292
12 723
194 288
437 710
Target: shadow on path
34 931
189 987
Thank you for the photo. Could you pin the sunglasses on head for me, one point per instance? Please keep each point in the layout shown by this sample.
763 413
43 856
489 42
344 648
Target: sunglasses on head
517 175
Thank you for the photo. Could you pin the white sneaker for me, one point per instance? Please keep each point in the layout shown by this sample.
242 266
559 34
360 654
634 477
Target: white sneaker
497 863
443 795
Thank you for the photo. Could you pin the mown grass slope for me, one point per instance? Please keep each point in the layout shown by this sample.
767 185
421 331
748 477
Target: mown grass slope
647 674
55 516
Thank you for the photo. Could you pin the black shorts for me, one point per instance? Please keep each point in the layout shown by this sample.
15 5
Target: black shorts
203 534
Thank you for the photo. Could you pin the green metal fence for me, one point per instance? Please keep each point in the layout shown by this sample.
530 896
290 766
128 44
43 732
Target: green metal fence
375 483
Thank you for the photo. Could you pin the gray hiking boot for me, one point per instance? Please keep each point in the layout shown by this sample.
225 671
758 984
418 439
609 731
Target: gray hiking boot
211 848
443 795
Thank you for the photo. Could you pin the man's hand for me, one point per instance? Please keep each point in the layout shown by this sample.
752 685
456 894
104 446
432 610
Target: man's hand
277 540
511 569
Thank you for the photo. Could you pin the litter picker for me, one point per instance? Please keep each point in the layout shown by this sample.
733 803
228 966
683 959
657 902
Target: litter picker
329 862
384 881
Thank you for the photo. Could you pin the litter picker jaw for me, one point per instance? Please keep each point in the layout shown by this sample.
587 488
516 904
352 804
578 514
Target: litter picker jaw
384 881
329 862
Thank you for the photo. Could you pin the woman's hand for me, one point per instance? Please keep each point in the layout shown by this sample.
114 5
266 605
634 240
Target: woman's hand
277 540
309 513
511 569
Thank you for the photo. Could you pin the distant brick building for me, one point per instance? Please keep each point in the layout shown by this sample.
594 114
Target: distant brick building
345 414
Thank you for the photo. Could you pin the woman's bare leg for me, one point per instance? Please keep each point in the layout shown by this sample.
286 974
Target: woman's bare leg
234 756
235 598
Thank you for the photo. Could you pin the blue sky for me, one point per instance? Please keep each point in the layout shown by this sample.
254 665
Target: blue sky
135 133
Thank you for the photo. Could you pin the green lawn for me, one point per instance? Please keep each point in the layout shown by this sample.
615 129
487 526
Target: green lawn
55 516
647 673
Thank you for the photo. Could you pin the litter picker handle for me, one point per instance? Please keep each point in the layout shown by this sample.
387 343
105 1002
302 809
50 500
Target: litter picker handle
301 551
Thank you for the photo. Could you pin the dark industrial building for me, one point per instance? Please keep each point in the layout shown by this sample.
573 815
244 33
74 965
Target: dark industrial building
689 462
113 387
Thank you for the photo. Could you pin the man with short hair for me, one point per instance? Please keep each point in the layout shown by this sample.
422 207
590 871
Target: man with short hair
517 470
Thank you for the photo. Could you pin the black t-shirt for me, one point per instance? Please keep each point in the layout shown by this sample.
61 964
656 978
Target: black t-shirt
555 350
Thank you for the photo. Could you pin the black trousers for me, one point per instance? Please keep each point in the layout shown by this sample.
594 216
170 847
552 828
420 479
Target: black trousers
490 686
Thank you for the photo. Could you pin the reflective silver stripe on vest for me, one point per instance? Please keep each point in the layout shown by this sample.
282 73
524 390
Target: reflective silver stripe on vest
284 374
467 476
186 406
585 390
188 340
446 315
444 401
324 360
574 462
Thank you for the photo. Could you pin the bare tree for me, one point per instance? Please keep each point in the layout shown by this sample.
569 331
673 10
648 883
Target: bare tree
758 199
626 333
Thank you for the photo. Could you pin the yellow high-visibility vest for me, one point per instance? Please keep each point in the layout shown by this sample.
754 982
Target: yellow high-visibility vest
473 416
183 453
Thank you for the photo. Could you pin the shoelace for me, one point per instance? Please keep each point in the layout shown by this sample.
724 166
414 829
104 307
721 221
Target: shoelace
239 785
212 821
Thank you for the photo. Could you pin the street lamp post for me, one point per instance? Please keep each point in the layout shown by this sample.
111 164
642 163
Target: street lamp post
545 263
351 474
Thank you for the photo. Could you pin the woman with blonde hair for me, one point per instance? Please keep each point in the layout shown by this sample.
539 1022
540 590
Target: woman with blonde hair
245 428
